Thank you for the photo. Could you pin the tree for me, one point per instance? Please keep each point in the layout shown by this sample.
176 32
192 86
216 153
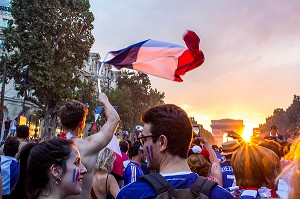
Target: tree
142 96
287 121
122 98
47 42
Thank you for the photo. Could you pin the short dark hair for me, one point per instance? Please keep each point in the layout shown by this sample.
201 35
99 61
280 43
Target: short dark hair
42 156
22 131
215 147
173 122
134 149
72 113
124 146
273 127
11 146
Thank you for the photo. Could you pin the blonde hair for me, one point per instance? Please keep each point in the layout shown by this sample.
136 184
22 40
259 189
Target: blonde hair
293 150
294 180
253 166
199 164
105 159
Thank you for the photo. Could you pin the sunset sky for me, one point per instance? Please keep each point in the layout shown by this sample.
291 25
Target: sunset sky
252 51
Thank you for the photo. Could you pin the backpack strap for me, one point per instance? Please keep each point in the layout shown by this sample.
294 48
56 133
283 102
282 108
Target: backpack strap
203 185
159 183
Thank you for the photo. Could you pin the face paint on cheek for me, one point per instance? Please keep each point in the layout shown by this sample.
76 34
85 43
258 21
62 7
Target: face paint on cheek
75 175
149 152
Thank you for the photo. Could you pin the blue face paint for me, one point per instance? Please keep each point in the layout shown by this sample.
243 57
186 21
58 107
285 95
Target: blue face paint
149 152
74 175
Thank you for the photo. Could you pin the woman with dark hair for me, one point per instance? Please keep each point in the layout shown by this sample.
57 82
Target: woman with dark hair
54 170
19 189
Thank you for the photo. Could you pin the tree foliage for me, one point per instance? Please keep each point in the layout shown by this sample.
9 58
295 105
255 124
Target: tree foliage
122 98
47 42
288 122
135 94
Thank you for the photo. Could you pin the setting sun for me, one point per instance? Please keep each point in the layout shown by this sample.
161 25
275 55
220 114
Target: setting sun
248 131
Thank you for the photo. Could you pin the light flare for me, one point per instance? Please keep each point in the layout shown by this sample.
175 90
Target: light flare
248 131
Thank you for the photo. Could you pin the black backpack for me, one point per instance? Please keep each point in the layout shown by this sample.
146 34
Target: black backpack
200 189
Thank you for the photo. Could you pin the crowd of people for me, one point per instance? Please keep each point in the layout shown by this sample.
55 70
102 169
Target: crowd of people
73 167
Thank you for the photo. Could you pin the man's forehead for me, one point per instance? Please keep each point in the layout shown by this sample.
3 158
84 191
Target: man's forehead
146 129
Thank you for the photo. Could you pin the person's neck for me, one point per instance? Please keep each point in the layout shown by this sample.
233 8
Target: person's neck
21 139
52 195
73 132
172 164
137 160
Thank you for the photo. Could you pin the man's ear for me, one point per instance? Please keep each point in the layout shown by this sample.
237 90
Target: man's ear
56 171
163 142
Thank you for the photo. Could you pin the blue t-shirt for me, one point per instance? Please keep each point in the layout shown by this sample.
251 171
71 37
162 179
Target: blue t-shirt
227 174
181 180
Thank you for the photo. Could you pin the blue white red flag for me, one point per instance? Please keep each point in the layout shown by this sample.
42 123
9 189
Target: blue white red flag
162 59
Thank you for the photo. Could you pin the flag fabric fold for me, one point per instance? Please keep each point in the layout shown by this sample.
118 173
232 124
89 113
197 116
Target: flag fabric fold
162 59
114 145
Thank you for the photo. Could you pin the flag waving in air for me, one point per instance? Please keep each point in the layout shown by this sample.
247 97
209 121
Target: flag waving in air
161 59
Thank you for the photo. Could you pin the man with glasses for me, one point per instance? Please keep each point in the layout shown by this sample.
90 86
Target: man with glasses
166 138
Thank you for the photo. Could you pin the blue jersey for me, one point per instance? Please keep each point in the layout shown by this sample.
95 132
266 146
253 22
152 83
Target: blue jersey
10 171
181 180
132 172
227 174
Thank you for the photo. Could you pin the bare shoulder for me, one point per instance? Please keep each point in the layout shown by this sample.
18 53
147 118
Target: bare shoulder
80 143
87 155
111 178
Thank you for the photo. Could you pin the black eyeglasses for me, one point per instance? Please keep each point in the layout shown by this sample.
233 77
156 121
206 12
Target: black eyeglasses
144 138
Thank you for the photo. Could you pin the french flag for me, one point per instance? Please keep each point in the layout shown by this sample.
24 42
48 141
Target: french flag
162 59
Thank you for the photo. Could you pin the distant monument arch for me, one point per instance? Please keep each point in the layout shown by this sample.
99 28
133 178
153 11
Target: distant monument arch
220 127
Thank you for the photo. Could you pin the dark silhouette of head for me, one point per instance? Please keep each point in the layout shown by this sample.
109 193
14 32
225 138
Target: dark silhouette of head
22 131
124 146
11 146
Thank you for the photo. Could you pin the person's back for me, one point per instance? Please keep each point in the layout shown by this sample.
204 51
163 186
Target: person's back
9 165
22 133
166 138
72 116
133 169
104 184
